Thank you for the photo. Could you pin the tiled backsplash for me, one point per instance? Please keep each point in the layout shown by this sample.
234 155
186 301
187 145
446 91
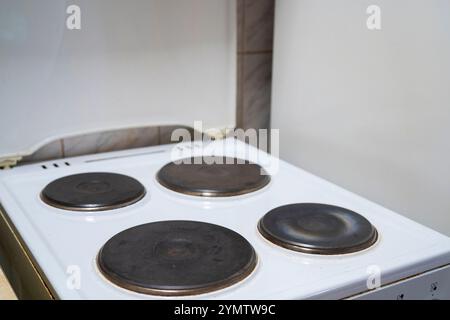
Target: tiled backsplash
255 41
104 142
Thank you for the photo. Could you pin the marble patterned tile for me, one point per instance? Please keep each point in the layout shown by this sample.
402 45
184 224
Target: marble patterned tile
50 151
257 81
258 25
255 46
240 90
111 141
165 133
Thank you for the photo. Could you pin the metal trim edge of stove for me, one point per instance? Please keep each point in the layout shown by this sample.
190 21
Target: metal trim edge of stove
23 273
427 283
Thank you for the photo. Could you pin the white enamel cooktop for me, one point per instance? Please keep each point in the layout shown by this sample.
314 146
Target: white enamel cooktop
60 240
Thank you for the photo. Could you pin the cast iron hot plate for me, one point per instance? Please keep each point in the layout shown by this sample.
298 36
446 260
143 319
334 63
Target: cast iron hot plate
318 229
176 258
93 192
213 177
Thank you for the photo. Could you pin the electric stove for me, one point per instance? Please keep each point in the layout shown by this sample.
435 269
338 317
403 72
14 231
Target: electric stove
134 225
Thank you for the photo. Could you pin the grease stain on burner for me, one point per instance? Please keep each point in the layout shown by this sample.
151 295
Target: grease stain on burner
93 187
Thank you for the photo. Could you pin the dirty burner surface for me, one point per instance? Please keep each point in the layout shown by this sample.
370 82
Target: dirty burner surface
213 177
176 258
93 192
317 229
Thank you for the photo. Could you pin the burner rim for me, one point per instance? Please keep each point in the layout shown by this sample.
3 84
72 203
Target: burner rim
58 205
250 268
310 249
199 289
212 193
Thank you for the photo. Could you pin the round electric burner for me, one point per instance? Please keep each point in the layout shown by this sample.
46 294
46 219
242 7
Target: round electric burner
318 229
213 177
176 258
93 192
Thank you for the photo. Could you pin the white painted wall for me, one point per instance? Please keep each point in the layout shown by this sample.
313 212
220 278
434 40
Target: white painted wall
368 110
133 63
